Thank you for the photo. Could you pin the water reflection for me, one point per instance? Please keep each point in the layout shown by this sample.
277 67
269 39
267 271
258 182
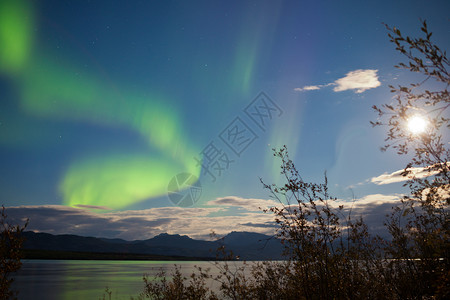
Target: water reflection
62 279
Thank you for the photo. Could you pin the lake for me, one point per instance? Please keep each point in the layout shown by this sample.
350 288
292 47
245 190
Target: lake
87 279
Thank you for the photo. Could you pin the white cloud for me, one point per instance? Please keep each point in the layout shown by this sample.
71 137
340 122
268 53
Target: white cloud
93 207
309 88
358 80
373 208
245 203
442 192
375 200
196 222
418 172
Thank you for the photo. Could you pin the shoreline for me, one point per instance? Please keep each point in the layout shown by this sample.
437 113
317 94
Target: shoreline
34 254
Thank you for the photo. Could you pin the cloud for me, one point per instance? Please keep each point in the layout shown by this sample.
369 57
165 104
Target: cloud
418 172
440 192
313 87
373 208
358 80
374 200
196 222
245 203
309 88
92 207
268 224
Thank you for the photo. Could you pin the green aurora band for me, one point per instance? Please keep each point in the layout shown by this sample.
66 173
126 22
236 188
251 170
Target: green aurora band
118 181
115 181
55 90
16 38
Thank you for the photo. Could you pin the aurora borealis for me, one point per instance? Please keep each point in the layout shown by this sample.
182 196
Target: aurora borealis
17 42
54 90
102 103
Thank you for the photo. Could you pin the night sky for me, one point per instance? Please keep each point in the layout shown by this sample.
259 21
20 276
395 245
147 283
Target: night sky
104 105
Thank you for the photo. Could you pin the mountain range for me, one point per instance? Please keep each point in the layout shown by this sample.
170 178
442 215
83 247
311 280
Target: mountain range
245 245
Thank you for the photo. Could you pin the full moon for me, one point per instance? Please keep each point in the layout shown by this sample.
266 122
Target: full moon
417 124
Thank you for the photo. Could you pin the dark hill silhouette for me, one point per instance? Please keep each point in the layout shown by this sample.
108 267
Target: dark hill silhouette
246 245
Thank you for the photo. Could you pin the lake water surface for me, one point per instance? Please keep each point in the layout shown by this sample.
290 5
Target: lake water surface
86 279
